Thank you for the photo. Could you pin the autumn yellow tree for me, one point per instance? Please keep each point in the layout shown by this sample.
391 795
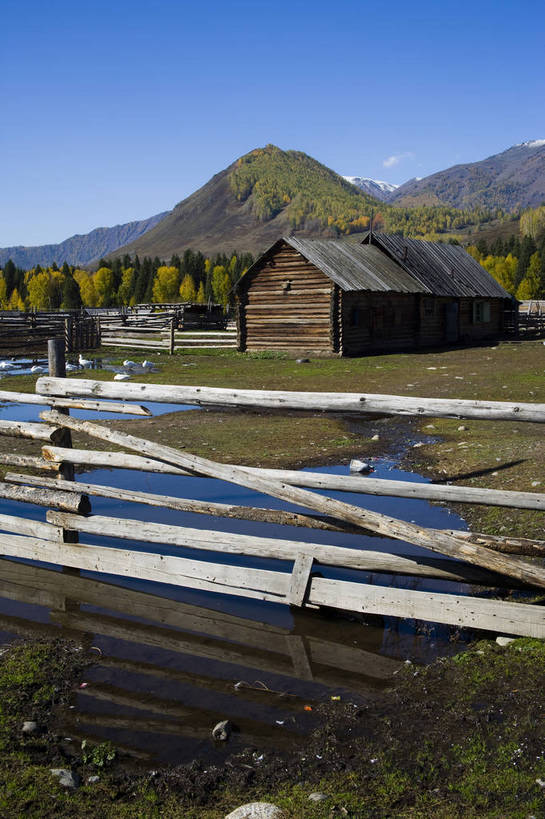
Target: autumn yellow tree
221 285
201 296
3 293
103 281
166 284
87 290
187 289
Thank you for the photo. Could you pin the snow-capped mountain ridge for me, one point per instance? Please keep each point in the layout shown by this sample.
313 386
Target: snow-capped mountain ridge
376 187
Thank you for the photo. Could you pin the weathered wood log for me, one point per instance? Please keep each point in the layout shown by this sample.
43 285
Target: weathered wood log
500 543
507 618
227 510
73 403
281 549
307 401
37 432
432 539
30 461
316 480
67 501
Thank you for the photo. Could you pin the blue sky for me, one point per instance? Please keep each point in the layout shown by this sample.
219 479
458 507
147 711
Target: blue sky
114 111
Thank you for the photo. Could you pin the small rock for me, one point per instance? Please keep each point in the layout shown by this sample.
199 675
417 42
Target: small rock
430 426
417 445
318 797
66 778
375 437
462 428
540 782
536 483
30 727
360 466
92 779
504 641
302 360
257 810
222 730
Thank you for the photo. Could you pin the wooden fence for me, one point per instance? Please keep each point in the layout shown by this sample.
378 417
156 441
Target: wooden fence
464 557
531 318
168 327
23 333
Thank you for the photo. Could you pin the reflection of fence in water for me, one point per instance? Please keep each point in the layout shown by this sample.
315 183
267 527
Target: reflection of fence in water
163 696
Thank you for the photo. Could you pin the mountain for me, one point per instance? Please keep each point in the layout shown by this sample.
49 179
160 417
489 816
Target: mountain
263 195
79 249
510 180
380 190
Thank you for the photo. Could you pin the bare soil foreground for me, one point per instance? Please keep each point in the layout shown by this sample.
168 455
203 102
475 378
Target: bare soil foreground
462 737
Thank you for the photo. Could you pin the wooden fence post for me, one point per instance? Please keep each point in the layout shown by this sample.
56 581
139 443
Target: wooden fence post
171 337
57 366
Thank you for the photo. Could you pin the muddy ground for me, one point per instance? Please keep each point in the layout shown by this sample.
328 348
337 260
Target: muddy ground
462 737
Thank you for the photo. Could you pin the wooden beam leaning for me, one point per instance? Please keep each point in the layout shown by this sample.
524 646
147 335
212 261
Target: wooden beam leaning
316 480
306 401
432 539
73 403
225 510
66 501
500 543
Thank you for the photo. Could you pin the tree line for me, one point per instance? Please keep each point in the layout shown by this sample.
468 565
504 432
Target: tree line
518 263
119 281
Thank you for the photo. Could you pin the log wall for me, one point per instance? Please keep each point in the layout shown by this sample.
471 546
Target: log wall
286 305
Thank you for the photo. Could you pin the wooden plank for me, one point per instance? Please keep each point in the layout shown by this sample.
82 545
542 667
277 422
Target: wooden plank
472 612
276 548
433 539
259 584
308 401
27 526
300 579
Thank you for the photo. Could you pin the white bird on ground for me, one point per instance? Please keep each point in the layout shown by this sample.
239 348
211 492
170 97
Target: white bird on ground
148 364
37 369
70 368
84 362
121 377
128 363
6 365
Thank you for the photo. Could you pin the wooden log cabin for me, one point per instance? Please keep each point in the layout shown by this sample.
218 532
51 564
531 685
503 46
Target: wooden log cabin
349 298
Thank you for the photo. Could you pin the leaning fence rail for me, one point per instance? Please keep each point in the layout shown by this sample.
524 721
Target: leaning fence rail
464 557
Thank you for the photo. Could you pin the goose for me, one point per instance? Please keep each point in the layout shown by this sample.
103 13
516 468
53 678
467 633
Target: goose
84 362
148 364
37 369
70 368
121 377
6 365
128 363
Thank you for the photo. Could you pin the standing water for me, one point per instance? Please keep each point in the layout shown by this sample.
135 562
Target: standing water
172 662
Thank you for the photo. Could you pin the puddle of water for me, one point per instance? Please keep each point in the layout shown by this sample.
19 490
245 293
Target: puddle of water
171 658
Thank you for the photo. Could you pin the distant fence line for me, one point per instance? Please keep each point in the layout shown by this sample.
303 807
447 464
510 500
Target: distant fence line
146 326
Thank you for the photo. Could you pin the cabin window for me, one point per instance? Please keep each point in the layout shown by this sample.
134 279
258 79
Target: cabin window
428 307
355 317
286 287
481 312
